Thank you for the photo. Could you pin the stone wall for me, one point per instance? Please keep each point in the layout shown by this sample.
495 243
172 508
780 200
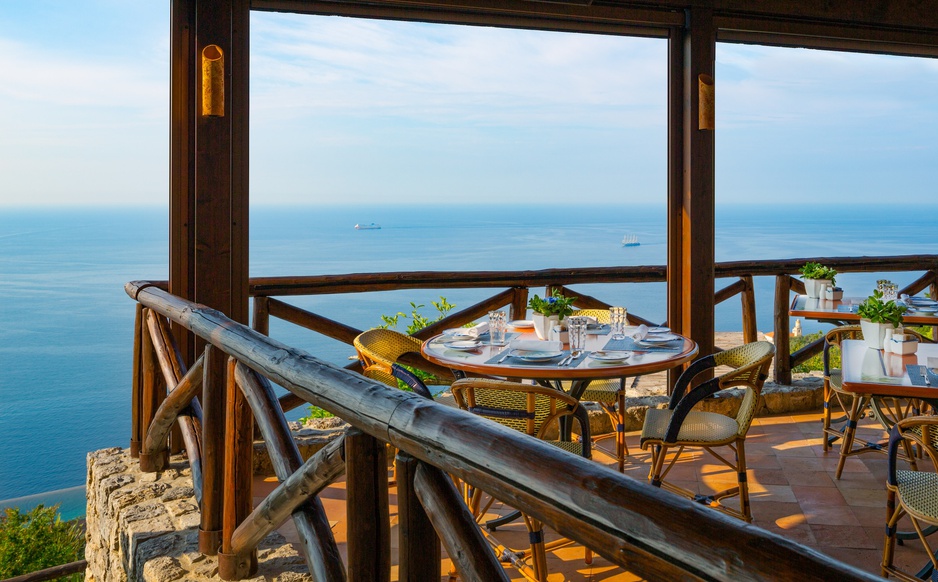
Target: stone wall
144 527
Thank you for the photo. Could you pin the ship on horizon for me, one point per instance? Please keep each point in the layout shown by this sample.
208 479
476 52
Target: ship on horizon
370 226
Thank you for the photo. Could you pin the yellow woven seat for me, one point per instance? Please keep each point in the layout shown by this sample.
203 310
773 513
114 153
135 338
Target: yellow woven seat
680 426
911 493
535 411
887 410
379 351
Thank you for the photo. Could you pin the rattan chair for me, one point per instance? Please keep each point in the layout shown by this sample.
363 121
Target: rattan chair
610 395
679 427
911 493
852 407
535 411
379 351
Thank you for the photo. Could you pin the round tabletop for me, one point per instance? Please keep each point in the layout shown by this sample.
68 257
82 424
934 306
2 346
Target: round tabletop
491 360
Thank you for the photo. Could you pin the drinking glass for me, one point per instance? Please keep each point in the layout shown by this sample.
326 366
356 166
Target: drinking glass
576 331
881 285
498 325
890 292
618 319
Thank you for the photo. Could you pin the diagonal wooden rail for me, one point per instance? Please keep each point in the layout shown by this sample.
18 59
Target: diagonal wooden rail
643 529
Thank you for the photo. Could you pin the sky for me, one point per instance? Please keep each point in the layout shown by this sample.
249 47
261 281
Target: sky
350 111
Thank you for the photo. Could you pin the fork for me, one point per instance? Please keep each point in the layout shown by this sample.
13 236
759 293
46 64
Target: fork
925 377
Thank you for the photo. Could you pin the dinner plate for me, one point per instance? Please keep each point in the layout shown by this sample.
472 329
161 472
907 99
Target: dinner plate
659 339
457 334
535 355
464 345
659 329
609 356
924 309
521 323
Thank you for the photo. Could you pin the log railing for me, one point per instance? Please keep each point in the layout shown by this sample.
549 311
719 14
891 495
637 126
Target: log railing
648 531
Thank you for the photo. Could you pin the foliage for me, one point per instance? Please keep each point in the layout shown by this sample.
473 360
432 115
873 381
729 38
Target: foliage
876 310
418 320
812 270
815 362
38 539
314 413
555 304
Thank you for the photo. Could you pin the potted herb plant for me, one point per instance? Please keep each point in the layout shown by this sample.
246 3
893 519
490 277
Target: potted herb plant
815 276
549 310
876 316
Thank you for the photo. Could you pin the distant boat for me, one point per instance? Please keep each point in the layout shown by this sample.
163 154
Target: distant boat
371 226
630 240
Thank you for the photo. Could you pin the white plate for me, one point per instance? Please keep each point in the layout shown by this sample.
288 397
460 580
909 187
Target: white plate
457 334
659 329
924 309
463 345
920 301
609 356
521 323
535 355
659 339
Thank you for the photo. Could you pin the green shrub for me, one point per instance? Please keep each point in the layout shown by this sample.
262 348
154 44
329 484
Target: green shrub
815 362
37 540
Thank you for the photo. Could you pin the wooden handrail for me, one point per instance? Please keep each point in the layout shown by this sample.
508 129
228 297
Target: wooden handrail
651 532
50 573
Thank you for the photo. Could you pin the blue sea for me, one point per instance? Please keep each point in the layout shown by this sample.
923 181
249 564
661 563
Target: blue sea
66 323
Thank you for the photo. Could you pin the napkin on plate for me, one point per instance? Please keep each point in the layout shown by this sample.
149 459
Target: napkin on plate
535 345
640 333
477 329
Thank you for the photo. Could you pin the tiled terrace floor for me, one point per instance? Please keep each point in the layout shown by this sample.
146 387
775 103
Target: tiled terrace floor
793 493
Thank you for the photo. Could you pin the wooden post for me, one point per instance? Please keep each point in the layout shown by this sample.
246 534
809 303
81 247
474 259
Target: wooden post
238 500
697 289
261 320
136 386
519 305
213 451
748 300
675 215
782 347
366 470
419 547
154 392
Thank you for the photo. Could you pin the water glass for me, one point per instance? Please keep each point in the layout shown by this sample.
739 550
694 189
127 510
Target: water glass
890 292
618 319
498 325
576 331
881 285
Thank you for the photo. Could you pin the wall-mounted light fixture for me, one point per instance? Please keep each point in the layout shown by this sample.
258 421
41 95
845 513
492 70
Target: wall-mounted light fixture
213 81
705 104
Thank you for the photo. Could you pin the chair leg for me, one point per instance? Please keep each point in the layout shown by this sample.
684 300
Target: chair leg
889 544
538 551
659 452
850 432
622 448
826 418
743 479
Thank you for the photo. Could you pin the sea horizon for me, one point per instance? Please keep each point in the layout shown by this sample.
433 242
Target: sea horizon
66 326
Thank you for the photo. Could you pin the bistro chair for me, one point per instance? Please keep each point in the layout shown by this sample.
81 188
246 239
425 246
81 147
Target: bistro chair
911 493
610 395
679 426
852 407
379 351
535 411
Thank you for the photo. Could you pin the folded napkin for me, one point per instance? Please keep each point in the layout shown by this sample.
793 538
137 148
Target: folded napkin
477 329
537 345
931 362
640 333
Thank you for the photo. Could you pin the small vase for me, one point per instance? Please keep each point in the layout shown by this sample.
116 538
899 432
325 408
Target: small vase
874 333
543 323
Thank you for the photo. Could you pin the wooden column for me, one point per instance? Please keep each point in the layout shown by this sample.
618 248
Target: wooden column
208 219
782 345
419 547
675 219
698 204
366 472
213 452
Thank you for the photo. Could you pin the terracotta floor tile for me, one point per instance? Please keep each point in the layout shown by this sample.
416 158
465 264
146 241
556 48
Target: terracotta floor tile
809 478
768 477
839 515
864 497
811 496
842 536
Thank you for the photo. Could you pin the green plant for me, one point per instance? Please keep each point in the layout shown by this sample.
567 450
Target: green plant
38 539
815 362
876 310
418 320
314 413
554 304
812 270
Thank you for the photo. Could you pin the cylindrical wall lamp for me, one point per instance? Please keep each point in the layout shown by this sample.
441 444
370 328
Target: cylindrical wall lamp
213 81
705 105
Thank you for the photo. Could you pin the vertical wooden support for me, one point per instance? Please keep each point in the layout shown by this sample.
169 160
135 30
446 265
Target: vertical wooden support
154 391
748 300
782 348
366 470
213 451
519 303
419 547
261 319
675 211
136 386
698 193
238 500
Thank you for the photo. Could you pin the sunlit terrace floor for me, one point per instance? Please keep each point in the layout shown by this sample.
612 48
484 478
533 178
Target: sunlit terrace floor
794 494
